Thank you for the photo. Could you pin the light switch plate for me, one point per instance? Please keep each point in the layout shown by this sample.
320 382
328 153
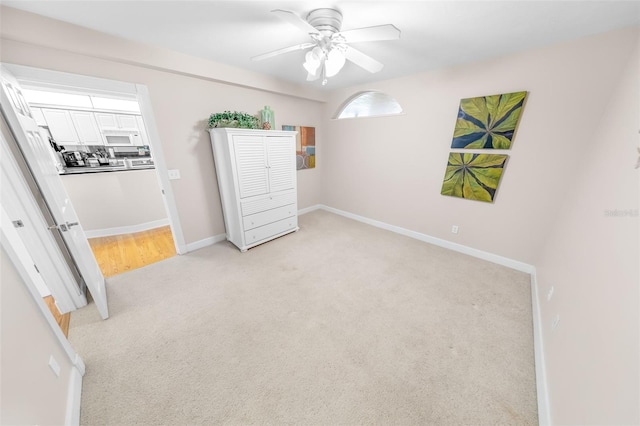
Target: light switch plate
55 367
174 174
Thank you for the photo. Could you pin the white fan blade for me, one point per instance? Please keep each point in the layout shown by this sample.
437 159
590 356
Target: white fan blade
380 32
283 50
311 77
362 60
296 21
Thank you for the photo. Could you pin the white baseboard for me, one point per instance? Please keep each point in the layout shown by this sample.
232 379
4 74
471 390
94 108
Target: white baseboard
309 209
206 242
544 411
74 397
544 416
222 237
500 260
106 232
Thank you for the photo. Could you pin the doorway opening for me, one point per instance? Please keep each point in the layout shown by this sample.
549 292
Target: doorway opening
109 145
101 148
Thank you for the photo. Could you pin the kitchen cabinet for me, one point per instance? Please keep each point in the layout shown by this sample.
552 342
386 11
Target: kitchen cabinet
61 126
256 171
144 136
127 122
38 116
109 121
106 120
86 127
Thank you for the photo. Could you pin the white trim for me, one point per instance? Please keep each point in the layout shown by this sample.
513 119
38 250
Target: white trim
494 258
206 242
17 199
544 410
162 171
130 229
15 249
39 77
309 209
222 237
31 75
74 397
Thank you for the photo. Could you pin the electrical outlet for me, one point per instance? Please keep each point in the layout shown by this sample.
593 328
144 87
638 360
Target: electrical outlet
454 229
550 293
554 323
174 174
55 367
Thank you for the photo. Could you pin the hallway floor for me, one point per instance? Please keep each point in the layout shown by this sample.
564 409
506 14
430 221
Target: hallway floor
116 254
121 253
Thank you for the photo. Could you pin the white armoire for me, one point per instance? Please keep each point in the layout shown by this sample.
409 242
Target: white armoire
256 172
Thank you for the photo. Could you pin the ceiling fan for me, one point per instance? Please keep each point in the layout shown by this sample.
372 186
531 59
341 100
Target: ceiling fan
330 47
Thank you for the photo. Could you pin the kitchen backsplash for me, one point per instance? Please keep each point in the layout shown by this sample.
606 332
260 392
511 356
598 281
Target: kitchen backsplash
118 151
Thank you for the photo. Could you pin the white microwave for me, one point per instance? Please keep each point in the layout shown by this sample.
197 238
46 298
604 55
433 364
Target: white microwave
122 138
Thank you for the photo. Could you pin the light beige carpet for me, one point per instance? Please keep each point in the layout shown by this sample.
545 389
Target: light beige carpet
339 323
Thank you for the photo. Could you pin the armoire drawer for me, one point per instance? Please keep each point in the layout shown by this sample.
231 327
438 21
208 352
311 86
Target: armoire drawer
267 203
273 215
263 232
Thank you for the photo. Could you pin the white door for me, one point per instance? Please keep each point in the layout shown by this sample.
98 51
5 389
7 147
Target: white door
36 151
251 163
44 255
281 162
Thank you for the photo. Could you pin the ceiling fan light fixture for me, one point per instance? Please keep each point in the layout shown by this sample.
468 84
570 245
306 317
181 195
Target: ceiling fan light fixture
335 61
331 46
313 60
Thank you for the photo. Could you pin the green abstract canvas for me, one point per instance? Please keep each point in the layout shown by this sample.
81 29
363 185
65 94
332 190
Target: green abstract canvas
473 176
488 122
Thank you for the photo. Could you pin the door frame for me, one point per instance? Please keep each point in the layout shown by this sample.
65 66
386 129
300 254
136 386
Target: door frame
18 198
63 80
15 249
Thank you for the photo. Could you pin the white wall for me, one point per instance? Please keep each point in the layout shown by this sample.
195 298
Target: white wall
184 91
591 259
391 169
572 158
115 199
29 391
572 138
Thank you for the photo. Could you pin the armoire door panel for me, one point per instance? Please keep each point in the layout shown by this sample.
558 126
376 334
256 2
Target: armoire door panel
281 158
251 166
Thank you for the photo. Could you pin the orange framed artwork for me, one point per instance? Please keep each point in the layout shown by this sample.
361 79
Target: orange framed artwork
305 146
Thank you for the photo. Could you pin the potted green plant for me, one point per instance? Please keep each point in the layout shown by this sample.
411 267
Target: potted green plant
234 119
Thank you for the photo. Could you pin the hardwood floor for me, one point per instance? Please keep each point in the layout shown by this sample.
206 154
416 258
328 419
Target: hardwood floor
62 320
121 253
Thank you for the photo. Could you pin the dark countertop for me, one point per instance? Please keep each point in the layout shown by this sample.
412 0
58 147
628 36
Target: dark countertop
100 169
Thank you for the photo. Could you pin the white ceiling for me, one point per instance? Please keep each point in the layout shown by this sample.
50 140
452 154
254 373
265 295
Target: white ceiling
435 34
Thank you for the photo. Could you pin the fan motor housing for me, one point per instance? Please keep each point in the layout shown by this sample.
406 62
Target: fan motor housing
329 20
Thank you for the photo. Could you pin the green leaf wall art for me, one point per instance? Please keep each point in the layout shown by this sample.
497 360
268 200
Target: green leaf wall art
488 122
473 176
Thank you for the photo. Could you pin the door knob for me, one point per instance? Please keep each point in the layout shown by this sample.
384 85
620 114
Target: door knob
64 227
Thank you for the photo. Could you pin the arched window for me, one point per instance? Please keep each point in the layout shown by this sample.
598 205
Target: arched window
369 104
